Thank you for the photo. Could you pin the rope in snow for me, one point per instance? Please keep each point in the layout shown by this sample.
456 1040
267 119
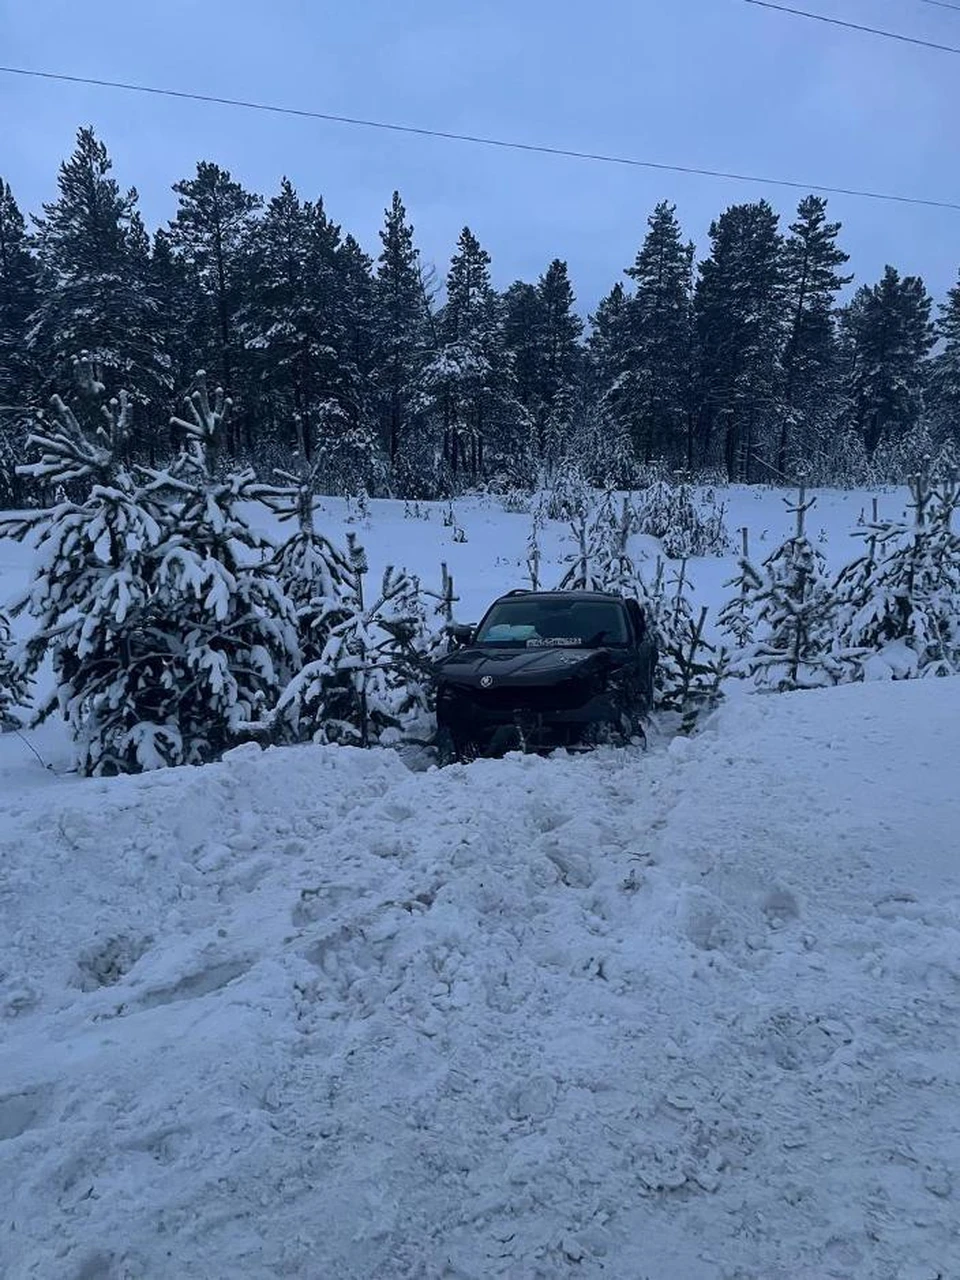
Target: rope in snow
483 141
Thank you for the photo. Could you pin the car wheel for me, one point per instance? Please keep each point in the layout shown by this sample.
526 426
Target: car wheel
450 748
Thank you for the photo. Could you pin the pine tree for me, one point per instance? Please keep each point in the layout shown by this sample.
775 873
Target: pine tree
690 669
889 335
606 448
284 326
595 533
523 326
303 324
686 526
19 376
659 374
541 334
794 611
212 234
311 571
316 576
166 633
811 260
18 300
483 429
90 594
96 298
559 365
230 630
899 602
353 453
364 684
14 686
945 372
180 328
737 617
403 344
739 304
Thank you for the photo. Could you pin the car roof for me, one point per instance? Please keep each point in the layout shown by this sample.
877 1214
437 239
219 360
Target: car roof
606 596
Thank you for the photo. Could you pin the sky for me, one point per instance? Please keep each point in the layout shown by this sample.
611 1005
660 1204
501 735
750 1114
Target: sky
719 84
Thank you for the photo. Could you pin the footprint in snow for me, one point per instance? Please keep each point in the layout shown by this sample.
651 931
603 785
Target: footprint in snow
22 1111
780 907
202 983
797 1042
532 1099
104 964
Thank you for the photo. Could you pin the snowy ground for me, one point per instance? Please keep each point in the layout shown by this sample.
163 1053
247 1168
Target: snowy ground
687 1015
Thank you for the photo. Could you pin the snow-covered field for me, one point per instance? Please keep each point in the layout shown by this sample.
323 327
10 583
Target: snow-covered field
684 1015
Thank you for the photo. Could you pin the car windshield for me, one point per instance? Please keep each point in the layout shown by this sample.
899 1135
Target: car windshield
524 622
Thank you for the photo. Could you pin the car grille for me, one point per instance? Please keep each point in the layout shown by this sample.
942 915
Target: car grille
536 698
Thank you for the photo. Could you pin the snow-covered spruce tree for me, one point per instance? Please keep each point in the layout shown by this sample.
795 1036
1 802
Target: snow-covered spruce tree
685 526
14 687
91 595
737 617
618 570
367 680
95 290
533 547
565 492
899 602
312 572
594 532
794 613
426 636
316 576
229 628
690 670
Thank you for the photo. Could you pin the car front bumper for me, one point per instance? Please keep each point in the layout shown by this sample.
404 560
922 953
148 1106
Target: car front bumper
553 715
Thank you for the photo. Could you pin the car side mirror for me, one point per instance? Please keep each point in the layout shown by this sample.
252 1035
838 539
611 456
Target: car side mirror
460 633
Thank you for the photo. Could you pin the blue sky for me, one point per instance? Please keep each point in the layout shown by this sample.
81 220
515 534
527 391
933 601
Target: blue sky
713 83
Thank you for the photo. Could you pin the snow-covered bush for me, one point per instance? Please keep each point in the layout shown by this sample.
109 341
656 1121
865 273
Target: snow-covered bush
737 616
782 616
311 572
516 501
686 526
90 591
899 601
164 633
691 669
596 535
567 494
367 679
229 627
14 687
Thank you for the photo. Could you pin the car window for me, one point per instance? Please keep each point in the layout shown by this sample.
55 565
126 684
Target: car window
523 621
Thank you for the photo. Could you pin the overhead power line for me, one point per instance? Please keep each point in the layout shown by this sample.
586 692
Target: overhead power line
856 26
480 140
942 4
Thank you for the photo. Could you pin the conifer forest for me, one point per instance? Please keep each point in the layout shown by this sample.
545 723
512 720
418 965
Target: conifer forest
754 358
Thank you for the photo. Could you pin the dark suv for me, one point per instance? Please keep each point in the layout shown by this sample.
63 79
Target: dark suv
546 669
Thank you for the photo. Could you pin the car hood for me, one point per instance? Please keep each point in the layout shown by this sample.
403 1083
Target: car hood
519 666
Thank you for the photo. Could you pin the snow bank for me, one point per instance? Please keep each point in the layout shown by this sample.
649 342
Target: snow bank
689 1015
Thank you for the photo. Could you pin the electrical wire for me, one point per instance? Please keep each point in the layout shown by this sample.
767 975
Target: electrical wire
855 26
480 140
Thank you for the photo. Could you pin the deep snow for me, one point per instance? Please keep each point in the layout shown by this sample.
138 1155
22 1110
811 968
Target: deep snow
684 1015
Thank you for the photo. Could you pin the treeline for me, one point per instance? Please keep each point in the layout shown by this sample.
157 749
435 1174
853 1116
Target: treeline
747 364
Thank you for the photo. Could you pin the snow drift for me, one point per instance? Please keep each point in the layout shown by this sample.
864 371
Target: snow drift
688 1014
